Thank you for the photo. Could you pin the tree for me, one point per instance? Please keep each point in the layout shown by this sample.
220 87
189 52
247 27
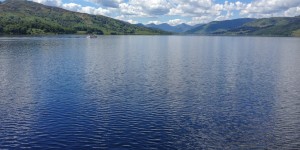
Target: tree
1 29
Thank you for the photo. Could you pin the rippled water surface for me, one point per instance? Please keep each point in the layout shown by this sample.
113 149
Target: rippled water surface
150 92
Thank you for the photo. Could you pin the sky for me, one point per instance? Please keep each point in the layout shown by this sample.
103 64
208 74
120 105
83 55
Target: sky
175 12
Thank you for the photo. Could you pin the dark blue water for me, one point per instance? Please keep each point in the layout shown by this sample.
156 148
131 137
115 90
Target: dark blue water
149 92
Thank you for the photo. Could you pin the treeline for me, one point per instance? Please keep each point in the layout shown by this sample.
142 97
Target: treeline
13 24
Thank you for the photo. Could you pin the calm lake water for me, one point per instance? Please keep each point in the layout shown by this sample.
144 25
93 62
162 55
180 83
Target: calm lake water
150 92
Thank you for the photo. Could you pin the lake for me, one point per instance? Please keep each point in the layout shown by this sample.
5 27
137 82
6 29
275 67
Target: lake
149 92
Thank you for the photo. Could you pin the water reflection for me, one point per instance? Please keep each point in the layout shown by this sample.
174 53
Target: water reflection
140 92
17 96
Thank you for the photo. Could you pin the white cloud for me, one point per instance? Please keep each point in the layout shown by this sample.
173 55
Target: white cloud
107 3
122 17
224 17
94 11
194 11
132 21
191 7
229 6
203 11
49 2
86 9
295 11
126 9
262 8
153 7
154 22
204 4
175 22
144 8
200 20
239 5
72 6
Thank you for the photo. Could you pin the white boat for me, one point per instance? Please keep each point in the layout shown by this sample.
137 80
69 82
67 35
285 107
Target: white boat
92 36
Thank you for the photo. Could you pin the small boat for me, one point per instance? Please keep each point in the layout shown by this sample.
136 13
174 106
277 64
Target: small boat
92 36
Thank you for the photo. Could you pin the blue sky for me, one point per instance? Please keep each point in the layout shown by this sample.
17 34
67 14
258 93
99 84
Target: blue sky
180 11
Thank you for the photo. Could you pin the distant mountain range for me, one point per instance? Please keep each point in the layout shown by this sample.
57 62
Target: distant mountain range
181 28
275 26
27 17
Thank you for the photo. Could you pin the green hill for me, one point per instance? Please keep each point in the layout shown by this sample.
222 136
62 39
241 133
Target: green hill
26 17
219 26
276 26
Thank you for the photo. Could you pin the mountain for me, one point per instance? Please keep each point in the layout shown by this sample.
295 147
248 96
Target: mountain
140 25
26 17
219 26
166 27
275 26
163 26
183 27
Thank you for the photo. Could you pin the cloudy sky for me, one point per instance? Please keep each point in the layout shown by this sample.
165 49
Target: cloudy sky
180 11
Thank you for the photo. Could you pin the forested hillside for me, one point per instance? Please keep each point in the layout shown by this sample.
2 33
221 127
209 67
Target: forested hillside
26 17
